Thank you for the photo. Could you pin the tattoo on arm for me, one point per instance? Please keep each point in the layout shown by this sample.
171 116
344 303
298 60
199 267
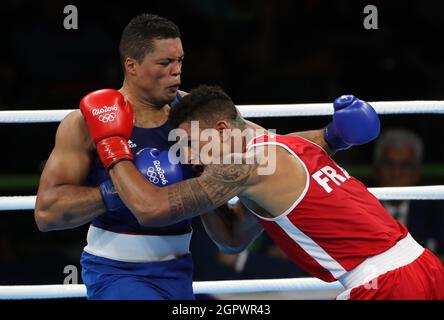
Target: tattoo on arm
214 187
187 199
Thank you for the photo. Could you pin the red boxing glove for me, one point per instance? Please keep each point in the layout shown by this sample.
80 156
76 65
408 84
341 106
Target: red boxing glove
109 118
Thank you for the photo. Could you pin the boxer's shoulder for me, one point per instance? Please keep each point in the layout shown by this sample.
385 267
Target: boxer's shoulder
73 119
73 132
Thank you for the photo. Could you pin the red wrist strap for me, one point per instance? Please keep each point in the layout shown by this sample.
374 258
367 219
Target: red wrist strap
112 150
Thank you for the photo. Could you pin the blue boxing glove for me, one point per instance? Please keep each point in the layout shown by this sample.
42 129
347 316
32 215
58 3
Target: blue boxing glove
154 166
354 122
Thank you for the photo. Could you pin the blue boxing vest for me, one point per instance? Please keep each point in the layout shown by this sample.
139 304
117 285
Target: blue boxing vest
123 221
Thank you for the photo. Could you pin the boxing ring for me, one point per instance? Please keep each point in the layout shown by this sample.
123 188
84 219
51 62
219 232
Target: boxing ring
303 288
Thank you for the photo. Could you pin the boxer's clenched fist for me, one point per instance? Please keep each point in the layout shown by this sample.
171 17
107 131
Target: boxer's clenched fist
157 168
109 118
354 122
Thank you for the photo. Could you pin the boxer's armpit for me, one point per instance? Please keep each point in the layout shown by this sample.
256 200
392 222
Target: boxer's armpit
214 187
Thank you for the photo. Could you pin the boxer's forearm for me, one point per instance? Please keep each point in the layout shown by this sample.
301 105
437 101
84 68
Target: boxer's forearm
315 136
67 206
231 228
148 203
156 207
219 227
153 206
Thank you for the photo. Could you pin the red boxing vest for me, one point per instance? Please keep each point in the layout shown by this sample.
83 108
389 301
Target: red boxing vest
336 223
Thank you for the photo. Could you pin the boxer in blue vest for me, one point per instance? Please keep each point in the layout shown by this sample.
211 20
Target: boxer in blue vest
122 259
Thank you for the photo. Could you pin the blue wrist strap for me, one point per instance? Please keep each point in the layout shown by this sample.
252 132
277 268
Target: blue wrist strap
334 139
110 196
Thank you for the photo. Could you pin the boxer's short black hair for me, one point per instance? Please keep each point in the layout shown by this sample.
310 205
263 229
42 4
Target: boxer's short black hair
206 104
138 37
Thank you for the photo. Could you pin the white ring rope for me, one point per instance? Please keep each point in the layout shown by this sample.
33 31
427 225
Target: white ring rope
409 193
315 288
17 203
33 116
388 193
325 109
252 111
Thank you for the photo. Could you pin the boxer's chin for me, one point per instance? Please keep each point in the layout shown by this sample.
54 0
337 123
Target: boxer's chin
172 91
170 94
167 98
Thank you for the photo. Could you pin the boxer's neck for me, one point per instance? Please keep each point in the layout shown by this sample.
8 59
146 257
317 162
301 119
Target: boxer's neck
146 114
150 118
250 133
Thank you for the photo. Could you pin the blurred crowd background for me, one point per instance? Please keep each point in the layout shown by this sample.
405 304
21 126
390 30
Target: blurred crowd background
260 52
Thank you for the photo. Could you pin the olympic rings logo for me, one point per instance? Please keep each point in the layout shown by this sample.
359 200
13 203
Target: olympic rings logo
107 117
152 175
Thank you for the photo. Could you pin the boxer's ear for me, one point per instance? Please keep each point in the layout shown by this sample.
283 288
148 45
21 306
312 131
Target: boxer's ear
224 129
222 125
130 66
